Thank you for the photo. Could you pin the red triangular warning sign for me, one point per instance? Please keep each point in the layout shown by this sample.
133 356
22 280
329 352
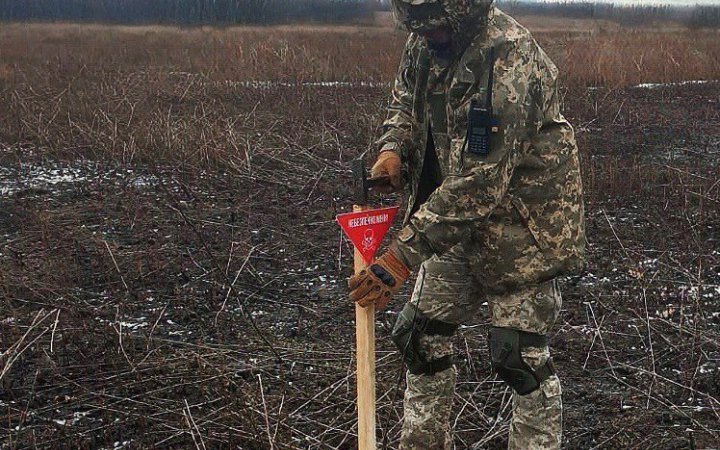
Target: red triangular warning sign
366 229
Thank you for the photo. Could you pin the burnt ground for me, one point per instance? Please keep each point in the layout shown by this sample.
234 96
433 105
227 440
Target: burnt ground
177 305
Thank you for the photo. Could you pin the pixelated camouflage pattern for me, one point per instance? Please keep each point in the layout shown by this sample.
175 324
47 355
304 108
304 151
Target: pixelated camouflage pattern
537 417
444 287
532 310
438 13
520 206
401 10
427 406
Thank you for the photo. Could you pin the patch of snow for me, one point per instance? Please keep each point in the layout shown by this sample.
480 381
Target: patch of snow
130 324
118 445
55 176
270 84
34 176
141 181
135 325
179 333
584 329
708 367
324 84
588 279
711 292
679 83
690 292
666 313
649 263
76 417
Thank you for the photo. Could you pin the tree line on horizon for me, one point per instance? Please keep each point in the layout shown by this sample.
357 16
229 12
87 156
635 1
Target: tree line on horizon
258 12
695 16
188 12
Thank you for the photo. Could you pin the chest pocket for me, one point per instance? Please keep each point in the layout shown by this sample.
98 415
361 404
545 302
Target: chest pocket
477 129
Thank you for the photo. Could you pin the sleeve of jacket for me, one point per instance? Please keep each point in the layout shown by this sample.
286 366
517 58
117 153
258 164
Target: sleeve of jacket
555 138
399 125
465 200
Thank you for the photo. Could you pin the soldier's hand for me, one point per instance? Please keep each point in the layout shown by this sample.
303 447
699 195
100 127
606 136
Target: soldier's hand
379 282
387 165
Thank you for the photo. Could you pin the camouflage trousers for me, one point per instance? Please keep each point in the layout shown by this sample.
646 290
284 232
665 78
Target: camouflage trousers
446 290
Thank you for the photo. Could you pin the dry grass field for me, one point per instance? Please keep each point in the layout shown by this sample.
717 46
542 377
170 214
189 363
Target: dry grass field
171 275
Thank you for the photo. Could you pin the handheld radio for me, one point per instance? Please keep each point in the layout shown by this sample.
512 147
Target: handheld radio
481 122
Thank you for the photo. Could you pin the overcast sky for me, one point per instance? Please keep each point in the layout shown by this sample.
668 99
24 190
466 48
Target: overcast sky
650 2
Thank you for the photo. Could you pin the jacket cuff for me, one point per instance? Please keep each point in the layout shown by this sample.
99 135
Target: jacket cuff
412 247
389 147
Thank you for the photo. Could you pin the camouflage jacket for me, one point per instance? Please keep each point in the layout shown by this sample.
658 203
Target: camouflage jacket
521 204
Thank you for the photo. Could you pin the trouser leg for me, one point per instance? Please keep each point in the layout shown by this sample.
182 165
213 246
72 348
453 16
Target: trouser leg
427 406
442 294
536 423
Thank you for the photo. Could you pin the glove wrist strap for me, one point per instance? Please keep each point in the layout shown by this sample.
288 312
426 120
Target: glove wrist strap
395 264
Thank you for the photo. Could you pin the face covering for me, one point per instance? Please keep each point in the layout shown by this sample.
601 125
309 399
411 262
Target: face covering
441 49
428 17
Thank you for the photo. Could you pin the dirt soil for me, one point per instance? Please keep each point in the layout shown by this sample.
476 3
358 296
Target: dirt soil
171 305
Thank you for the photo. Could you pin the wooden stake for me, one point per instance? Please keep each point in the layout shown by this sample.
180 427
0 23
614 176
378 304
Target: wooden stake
365 336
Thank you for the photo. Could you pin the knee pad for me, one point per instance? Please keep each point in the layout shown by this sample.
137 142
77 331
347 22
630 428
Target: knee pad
410 326
506 347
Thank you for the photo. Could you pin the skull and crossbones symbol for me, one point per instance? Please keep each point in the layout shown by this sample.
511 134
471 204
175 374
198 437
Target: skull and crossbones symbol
368 242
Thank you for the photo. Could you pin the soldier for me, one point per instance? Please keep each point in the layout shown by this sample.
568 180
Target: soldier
494 212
